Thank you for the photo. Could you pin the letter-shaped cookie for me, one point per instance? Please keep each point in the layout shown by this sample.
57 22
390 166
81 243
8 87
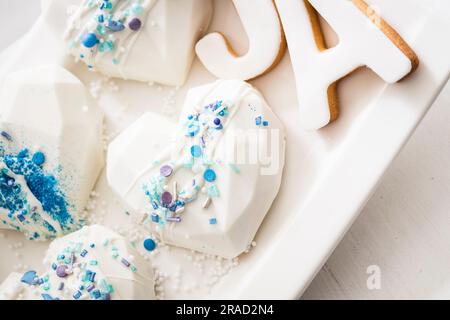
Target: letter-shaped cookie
365 40
267 44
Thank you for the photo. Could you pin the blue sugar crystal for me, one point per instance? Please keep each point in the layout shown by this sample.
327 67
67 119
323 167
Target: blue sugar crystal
155 218
39 158
6 135
149 244
46 296
44 187
89 40
115 26
90 275
77 295
29 277
96 294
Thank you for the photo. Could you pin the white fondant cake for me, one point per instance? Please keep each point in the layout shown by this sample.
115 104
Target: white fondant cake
93 263
50 151
144 40
207 183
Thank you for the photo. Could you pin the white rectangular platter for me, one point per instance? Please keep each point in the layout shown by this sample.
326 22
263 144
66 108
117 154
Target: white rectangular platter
328 177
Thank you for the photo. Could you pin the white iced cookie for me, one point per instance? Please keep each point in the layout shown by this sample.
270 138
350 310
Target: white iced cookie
144 40
50 151
266 44
207 183
93 263
365 40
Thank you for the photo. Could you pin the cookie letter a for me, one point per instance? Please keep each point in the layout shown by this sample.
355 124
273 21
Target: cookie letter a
365 40
267 43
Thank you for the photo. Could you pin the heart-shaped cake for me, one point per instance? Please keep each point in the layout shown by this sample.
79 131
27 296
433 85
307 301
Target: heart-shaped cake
207 183
50 151
93 263
144 40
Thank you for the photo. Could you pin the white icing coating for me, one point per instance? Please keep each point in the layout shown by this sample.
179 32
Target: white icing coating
85 20
218 216
162 50
97 255
266 41
362 43
47 110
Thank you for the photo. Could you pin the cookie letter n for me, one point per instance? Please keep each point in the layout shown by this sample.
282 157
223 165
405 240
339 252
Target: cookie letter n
365 40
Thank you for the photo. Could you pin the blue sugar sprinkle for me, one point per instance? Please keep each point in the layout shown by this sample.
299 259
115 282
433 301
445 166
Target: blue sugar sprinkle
196 151
173 207
29 277
11 198
155 218
89 40
90 275
96 294
6 135
44 187
49 227
46 296
180 203
38 158
213 221
125 262
193 129
210 175
149 244
77 295
23 153
115 26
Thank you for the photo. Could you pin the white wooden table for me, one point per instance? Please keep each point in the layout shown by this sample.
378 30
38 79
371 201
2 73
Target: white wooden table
404 231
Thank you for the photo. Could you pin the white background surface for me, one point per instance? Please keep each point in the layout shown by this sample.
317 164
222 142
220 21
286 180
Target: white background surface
404 227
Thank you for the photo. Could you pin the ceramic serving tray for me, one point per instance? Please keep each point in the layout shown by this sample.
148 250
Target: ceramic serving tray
329 174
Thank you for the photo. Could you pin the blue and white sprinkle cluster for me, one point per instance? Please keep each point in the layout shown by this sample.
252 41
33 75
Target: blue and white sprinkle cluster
200 130
77 260
52 214
111 18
